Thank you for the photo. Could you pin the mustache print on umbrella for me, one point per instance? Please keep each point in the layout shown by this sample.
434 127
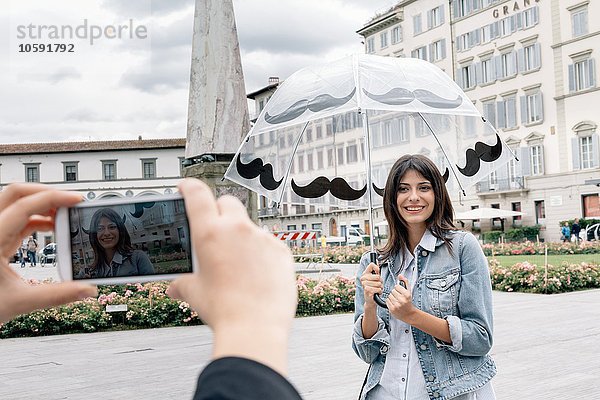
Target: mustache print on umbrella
401 96
319 103
482 152
256 168
139 209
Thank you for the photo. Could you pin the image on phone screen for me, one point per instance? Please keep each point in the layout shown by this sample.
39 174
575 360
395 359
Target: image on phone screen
126 240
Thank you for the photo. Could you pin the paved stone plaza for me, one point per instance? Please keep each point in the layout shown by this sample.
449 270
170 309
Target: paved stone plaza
546 347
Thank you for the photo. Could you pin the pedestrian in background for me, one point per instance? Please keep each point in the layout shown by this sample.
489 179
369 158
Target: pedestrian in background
565 232
22 252
32 247
576 228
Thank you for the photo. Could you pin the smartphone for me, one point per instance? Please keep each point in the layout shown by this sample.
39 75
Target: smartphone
125 240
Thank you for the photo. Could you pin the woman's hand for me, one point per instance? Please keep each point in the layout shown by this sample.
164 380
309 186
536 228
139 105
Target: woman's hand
399 302
26 208
371 283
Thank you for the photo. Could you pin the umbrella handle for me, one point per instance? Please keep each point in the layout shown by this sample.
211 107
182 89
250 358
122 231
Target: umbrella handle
378 300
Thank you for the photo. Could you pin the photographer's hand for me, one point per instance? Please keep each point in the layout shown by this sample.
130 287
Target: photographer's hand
25 208
245 286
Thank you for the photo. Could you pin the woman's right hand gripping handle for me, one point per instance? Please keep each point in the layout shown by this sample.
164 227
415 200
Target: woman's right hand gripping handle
372 285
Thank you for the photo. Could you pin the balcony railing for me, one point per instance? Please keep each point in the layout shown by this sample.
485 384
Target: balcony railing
501 185
268 212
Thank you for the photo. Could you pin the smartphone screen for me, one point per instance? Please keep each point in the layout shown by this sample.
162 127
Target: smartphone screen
137 238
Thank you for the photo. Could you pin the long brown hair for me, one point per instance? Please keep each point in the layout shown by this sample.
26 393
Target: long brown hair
440 221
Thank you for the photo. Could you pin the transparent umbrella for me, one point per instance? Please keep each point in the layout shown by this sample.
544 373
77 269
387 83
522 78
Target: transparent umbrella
330 133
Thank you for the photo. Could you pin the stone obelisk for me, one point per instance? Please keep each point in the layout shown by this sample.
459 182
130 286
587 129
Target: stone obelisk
218 111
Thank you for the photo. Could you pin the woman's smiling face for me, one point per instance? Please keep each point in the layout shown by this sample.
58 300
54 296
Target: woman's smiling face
108 233
415 198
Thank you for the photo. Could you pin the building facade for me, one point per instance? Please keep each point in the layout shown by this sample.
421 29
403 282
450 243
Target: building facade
97 169
529 66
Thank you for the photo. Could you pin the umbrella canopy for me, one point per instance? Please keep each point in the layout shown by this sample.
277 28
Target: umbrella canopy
330 133
486 213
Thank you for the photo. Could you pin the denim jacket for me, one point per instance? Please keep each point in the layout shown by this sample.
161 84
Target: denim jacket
452 285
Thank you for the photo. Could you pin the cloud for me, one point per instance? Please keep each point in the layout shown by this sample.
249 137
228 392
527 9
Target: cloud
145 8
85 115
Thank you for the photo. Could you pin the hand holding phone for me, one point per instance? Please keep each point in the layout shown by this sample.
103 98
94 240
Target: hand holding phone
118 241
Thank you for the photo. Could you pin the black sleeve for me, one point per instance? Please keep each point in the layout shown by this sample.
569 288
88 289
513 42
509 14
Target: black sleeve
233 378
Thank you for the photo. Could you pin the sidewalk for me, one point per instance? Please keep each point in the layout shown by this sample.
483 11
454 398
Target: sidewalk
546 347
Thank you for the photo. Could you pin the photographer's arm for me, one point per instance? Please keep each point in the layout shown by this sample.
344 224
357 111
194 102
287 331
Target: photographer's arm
244 290
26 208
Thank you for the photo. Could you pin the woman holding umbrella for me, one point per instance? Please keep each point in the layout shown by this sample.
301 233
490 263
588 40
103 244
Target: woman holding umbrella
433 339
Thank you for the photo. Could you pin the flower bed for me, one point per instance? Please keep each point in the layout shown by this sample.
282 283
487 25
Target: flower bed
149 307
554 248
526 277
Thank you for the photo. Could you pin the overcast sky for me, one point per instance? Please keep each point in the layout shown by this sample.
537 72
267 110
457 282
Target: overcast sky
138 84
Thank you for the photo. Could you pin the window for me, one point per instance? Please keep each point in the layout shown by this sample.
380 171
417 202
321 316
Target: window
309 162
531 108
530 17
507 65
462 8
437 50
506 113
383 37
70 170
585 152
466 77
536 157
396 34
421 53
582 75
529 58
485 72
330 158
352 153
579 21
149 168
32 172
319 132
340 155
371 45
508 26
517 219
417 27
540 212
261 105
435 17
300 158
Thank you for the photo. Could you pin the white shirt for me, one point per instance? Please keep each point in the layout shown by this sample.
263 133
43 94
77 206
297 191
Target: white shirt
402 377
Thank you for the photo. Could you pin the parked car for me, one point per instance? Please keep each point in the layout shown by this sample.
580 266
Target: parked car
48 254
593 232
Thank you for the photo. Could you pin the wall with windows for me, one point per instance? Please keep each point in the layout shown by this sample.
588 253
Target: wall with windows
97 173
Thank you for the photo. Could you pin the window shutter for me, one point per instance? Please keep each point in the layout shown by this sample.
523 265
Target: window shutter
536 16
537 55
501 114
542 161
491 114
571 78
498 64
524 116
592 72
430 52
442 15
513 63
595 151
429 19
525 161
458 44
459 80
443 44
521 60
575 153
511 112
540 106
